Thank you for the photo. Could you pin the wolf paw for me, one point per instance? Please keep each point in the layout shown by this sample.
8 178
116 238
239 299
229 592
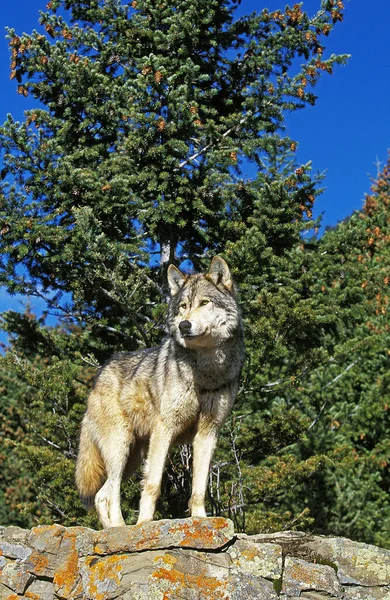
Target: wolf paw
144 519
198 511
102 505
108 510
196 505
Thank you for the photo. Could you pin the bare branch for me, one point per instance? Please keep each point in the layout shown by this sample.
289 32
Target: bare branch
67 453
91 361
58 510
224 135
238 486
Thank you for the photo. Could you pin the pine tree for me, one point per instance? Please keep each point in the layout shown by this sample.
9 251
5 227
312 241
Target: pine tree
133 158
15 484
351 393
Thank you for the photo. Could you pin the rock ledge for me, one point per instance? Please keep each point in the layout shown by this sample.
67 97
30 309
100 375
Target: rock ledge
192 559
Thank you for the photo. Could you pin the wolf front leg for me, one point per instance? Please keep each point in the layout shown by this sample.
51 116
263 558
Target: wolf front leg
160 442
203 445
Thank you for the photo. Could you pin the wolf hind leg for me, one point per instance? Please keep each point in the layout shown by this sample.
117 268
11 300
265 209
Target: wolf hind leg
115 452
160 442
135 458
203 447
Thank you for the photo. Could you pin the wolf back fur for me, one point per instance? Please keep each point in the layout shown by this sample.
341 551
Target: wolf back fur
181 391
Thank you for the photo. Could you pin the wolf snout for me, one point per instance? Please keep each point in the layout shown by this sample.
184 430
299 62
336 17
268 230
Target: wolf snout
185 327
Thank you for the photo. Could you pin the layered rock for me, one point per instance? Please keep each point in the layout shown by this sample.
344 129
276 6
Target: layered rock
192 559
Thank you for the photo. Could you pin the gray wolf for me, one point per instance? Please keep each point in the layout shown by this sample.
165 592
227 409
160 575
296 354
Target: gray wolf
181 391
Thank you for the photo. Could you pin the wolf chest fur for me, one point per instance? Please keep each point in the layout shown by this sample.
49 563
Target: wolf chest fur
181 391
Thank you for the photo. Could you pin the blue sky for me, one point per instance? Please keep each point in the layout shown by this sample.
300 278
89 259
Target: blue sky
345 134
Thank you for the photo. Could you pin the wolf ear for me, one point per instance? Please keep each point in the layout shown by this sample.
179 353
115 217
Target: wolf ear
176 279
219 273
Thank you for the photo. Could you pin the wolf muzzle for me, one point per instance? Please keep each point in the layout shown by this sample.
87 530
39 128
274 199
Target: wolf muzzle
185 327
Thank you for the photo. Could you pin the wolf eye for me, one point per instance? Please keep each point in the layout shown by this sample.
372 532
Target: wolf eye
183 306
204 302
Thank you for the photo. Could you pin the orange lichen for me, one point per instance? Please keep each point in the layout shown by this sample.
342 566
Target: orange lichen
300 573
149 539
168 559
101 570
199 533
40 563
249 553
66 577
208 587
55 530
171 575
99 549
77 592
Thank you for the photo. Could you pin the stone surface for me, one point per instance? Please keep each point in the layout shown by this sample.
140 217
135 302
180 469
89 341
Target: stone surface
186 559
307 596
15 578
300 575
261 560
366 593
356 563
203 534
40 589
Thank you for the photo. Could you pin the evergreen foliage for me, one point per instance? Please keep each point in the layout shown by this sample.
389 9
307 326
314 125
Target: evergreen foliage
351 497
135 156
15 484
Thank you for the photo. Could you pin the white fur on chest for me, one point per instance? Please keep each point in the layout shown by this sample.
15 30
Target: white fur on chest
194 387
181 407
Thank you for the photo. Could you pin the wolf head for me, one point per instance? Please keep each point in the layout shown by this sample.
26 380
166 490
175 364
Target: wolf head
203 311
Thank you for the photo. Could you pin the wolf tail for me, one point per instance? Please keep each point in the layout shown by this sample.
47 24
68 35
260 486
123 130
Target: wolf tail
90 471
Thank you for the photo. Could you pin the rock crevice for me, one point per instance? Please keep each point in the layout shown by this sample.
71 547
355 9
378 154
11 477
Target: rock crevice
190 559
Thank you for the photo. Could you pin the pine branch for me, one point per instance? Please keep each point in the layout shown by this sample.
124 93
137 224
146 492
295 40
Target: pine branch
319 415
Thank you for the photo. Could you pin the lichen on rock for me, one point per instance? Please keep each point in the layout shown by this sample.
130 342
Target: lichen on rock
194 559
